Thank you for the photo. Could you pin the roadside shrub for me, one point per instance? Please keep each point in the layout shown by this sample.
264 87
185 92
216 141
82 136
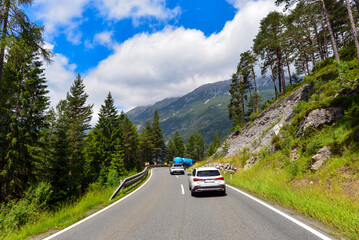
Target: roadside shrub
323 64
17 213
292 167
276 142
353 113
312 147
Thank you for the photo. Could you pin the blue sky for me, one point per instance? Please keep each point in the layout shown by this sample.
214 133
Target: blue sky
144 50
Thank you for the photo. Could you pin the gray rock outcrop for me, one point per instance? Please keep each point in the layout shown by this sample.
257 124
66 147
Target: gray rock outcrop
250 162
259 133
319 158
318 117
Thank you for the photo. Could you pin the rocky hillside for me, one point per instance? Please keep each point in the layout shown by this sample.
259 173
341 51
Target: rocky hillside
203 110
260 132
303 150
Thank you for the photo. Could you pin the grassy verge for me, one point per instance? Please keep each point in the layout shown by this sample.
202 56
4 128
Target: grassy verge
95 199
337 211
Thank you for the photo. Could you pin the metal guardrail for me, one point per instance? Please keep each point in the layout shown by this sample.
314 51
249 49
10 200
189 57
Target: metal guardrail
134 179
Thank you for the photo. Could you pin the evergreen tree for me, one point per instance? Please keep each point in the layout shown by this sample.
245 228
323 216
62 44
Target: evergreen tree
178 142
102 142
16 25
175 147
78 115
247 63
145 144
214 145
23 106
171 150
130 143
195 147
157 137
238 88
269 38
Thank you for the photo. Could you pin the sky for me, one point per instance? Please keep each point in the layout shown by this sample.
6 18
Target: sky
143 51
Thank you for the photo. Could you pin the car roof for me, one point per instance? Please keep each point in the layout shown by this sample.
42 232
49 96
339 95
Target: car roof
206 168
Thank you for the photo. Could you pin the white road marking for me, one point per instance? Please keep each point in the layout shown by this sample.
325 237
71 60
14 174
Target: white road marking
182 189
306 227
96 213
177 176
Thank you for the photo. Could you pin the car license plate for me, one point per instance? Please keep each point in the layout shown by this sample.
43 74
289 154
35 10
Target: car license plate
208 181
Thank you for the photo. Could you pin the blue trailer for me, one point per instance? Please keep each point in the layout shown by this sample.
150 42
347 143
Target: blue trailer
187 162
178 160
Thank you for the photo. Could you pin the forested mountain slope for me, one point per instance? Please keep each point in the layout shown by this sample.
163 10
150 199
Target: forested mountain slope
203 110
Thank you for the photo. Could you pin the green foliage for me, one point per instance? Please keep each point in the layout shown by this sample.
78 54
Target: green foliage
214 145
16 213
195 147
175 147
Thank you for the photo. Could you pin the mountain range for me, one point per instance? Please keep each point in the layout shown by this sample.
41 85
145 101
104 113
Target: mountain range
203 110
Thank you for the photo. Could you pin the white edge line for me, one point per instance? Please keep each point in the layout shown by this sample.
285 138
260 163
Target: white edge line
96 213
306 227
182 189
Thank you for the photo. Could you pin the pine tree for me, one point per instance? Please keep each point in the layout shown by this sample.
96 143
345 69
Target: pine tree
213 146
145 144
175 147
269 38
16 25
130 143
247 63
103 140
78 115
23 108
195 147
157 137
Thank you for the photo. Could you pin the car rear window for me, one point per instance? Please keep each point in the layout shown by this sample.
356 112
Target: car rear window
208 173
177 165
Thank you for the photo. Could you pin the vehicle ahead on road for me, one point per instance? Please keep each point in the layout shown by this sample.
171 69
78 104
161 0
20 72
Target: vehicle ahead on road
176 168
203 179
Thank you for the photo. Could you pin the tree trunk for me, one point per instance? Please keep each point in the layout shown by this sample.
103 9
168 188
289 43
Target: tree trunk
325 41
255 89
242 99
288 67
280 71
352 25
3 38
329 26
320 48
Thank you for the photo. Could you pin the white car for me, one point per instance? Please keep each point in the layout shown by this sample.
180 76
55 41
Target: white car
204 179
176 168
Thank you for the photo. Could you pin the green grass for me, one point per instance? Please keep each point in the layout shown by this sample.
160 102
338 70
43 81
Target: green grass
95 199
337 211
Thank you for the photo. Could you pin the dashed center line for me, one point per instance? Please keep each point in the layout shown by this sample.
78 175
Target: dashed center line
182 189
177 176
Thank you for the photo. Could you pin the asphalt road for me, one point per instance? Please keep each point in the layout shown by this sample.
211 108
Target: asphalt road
164 209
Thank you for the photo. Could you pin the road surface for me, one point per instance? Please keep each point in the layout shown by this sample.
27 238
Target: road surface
164 209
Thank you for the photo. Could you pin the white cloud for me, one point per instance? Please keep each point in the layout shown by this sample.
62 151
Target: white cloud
151 67
121 9
57 14
64 16
238 3
60 74
104 39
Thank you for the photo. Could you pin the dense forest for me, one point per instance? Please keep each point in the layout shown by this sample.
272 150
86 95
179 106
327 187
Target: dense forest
307 35
51 155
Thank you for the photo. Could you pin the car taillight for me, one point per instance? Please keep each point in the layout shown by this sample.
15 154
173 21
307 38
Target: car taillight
220 178
197 179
